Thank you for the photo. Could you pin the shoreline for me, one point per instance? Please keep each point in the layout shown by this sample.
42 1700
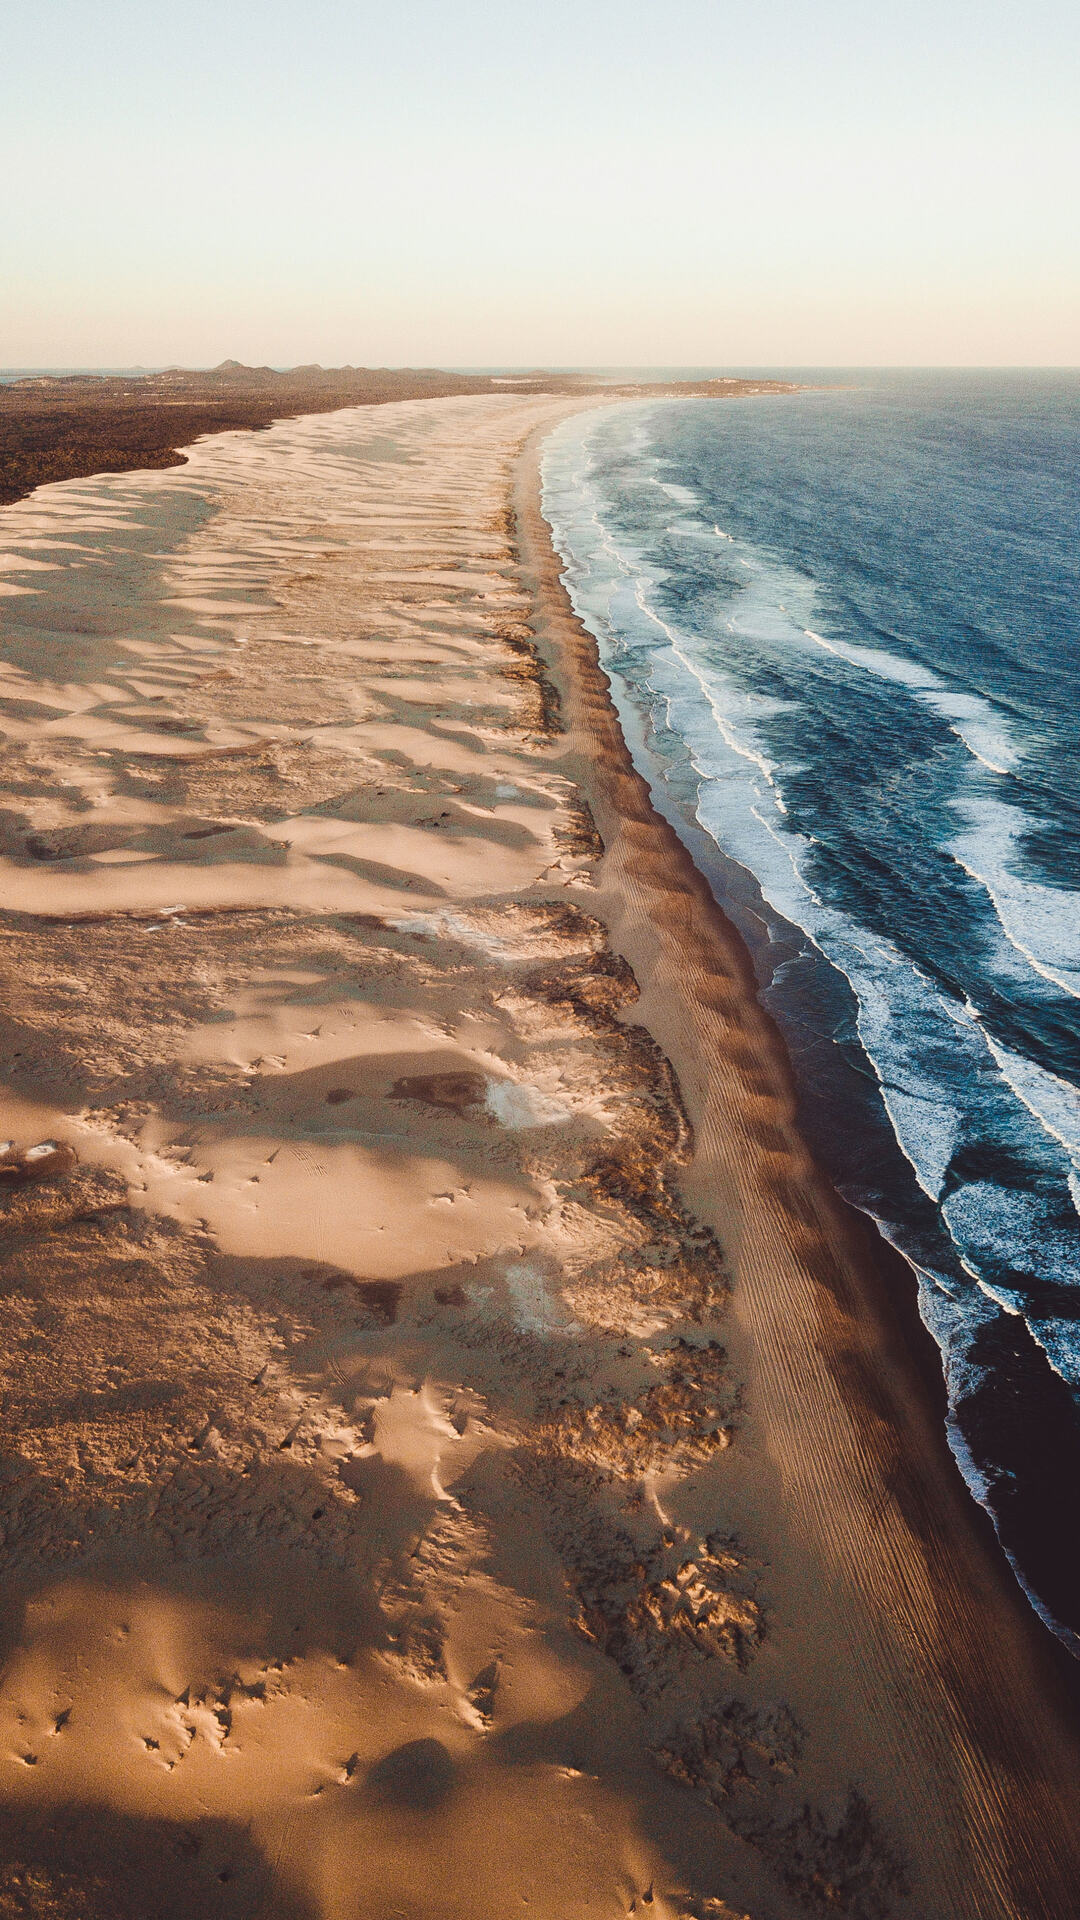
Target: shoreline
856 1286
445 1398
1014 1427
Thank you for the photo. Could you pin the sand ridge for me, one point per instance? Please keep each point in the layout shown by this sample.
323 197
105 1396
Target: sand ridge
402 1515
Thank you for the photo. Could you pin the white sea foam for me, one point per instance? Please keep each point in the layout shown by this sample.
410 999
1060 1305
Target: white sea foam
1055 1103
975 722
1008 1229
984 732
1042 923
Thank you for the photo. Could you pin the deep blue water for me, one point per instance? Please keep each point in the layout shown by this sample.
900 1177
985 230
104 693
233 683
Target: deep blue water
843 629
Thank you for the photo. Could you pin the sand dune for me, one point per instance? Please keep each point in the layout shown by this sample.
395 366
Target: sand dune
454 1467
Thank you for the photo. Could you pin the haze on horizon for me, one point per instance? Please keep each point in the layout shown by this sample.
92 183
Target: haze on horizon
698 184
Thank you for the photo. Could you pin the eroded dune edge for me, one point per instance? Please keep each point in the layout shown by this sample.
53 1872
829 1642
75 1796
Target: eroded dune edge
456 1461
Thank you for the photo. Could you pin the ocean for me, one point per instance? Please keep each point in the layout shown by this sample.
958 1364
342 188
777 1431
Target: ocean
843 633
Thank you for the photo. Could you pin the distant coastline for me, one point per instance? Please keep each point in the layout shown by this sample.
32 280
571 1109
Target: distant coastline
68 426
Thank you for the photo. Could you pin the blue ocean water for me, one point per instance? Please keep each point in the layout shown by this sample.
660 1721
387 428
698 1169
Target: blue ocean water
843 632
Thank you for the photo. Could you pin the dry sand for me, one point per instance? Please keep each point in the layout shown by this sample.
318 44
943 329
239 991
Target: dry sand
455 1465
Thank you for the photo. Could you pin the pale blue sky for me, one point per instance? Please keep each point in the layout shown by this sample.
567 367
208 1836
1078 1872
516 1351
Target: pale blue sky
598 184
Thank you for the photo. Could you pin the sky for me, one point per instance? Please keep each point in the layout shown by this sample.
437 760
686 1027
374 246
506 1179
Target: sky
598 184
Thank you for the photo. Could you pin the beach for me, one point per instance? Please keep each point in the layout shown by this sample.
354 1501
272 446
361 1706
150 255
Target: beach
462 1456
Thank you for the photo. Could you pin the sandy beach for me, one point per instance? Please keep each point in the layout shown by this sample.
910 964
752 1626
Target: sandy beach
461 1458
